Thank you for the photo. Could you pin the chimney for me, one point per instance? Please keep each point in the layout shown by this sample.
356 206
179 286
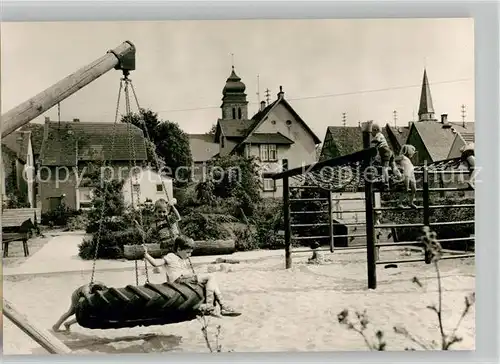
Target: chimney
281 94
47 119
262 105
76 120
444 121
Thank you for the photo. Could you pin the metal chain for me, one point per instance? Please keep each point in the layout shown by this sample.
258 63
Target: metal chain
103 207
128 83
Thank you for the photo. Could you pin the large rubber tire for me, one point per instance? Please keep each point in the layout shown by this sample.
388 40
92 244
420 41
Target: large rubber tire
131 306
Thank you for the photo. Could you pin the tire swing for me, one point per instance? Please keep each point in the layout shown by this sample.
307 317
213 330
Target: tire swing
136 305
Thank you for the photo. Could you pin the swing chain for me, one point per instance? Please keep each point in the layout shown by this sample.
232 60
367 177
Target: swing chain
103 206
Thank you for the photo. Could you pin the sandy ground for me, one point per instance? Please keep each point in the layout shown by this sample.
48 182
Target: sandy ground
283 310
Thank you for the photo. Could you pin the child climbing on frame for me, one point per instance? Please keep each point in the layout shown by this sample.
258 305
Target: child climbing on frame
468 156
404 159
179 269
386 155
78 293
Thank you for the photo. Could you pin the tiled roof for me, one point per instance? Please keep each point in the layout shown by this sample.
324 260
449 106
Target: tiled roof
268 138
400 133
438 140
234 127
36 136
93 141
202 147
349 139
17 143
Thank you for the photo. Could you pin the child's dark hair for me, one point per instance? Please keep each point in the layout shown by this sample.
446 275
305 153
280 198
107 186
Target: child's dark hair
183 242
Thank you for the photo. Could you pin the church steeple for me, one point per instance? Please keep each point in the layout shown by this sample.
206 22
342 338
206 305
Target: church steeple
426 109
234 100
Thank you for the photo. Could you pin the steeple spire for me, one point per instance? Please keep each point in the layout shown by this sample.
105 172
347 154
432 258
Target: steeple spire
426 109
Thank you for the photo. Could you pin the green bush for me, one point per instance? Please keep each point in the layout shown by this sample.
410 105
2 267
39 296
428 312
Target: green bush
436 215
110 244
78 222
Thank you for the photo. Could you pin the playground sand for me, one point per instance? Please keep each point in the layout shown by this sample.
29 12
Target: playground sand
283 310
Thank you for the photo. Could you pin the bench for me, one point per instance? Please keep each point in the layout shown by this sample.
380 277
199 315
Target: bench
20 224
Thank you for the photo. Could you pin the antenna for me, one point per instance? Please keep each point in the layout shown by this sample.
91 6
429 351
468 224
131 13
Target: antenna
232 60
258 89
344 119
395 115
268 95
463 115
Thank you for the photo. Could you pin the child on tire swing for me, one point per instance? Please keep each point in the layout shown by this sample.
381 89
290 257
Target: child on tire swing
179 270
77 294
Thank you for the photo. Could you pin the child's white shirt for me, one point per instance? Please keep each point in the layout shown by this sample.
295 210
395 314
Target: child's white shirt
381 141
175 267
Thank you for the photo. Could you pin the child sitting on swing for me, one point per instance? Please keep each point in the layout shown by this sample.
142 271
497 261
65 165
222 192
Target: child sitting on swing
77 294
179 270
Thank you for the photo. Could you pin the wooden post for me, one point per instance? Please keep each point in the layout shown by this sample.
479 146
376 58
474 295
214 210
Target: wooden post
46 340
425 204
370 230
286 218
330 221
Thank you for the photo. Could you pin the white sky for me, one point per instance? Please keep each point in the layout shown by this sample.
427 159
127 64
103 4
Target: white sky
182 67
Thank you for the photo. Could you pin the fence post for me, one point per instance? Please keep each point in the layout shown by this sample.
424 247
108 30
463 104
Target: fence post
286 217
330 220
370 230
425 204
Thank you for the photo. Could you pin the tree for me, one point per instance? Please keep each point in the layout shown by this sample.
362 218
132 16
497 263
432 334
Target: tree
212 130
170 141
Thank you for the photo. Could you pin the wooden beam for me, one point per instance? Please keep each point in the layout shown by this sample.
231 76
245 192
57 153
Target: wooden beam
345 159
43 337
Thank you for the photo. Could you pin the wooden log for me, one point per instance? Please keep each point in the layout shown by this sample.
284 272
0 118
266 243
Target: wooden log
43 337
202 247
214 247
122 57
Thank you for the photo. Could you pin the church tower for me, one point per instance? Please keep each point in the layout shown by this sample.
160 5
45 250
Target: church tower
426 109
234 100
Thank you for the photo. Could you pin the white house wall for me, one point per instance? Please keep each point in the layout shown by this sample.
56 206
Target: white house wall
148 181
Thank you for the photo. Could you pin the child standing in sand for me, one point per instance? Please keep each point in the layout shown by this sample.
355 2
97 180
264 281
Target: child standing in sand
407 152
78 293
385 153
179 270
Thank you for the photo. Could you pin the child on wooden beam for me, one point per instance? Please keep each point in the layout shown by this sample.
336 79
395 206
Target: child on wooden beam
386 155
469 158
404 159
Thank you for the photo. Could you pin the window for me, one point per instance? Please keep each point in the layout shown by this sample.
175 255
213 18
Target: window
222 142
85 195
159 187
248 149
239 113
234 113
268 152
269 184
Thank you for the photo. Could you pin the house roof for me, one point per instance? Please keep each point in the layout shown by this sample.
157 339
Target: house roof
260 117
36 136
68 141
400 133
438 140
202 147
268 138
18 144
234 128
349 139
